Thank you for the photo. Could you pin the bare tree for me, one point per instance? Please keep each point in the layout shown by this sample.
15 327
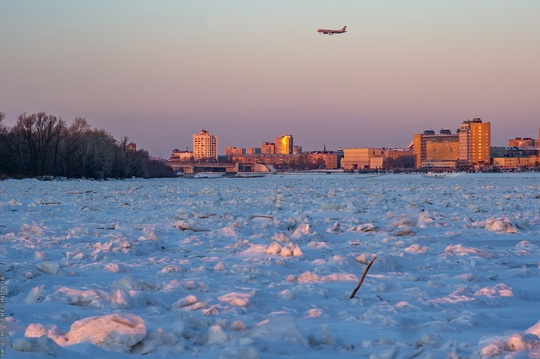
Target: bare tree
70 143
41 144
40 134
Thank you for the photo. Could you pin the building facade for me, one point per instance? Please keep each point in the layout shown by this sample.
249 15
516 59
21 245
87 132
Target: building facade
439 150
205 146
283 145
516 163
268 148
359 158
474 142
436 150
323 160
231 151
522 142
399 158
181 156
253 151
469 147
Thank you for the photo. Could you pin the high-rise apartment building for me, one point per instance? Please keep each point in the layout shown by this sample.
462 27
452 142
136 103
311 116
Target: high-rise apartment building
205 146
474 142
284 145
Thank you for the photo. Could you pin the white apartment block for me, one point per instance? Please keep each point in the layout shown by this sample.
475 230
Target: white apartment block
205 146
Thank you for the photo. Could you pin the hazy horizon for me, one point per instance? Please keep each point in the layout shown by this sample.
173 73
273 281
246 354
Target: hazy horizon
248 72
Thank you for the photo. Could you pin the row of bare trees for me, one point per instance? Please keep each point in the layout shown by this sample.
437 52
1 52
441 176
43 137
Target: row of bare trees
44 145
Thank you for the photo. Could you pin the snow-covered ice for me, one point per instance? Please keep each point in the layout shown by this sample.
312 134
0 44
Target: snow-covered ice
264 267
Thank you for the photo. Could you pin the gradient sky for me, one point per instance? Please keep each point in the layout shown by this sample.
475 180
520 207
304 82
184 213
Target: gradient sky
252 70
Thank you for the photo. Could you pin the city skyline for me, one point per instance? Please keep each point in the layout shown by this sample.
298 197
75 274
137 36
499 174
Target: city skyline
158 73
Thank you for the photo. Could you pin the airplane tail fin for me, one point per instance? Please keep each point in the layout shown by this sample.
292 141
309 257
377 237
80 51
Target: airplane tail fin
344 28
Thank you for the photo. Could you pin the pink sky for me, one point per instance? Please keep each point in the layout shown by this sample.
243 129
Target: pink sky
251 71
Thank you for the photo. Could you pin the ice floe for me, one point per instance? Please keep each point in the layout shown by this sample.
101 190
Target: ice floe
264 267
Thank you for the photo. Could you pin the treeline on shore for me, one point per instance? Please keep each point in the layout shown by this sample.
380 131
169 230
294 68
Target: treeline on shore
42 145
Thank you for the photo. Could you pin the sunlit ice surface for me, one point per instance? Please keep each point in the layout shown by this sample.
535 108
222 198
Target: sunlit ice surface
264 267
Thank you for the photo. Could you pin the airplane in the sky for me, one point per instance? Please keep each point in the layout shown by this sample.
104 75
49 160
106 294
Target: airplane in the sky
332 32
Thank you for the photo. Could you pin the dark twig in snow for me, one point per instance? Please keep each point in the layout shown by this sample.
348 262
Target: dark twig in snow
362 278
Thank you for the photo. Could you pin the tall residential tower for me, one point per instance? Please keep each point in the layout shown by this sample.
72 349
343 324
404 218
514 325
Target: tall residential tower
205 146
474 142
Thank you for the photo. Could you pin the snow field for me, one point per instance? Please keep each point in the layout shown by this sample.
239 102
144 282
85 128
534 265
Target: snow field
264 267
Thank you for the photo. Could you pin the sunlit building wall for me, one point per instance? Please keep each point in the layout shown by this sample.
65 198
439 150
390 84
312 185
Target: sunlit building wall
419 149
327 159
253 151
443 154
268 148
475 142
284 145
205 146
431 149
376 163
359 158
513 163
182 156
230 151
521 142
399 158
480 133
446 148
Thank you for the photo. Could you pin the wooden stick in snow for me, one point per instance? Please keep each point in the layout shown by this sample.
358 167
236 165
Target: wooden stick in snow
362 278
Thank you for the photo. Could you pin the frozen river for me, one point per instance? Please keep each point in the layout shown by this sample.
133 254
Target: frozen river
264 267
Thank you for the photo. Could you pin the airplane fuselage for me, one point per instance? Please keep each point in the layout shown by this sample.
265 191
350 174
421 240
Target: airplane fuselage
332 32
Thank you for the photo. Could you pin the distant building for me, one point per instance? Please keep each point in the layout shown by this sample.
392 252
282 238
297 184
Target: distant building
522 142
323 160
230 151
376 163
442 150
132 146
446 151
283 145
296 150
205 146
360 158
433 150
513 152
253 151
181 156
398 159
268 148
474 142
299 161
516 163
